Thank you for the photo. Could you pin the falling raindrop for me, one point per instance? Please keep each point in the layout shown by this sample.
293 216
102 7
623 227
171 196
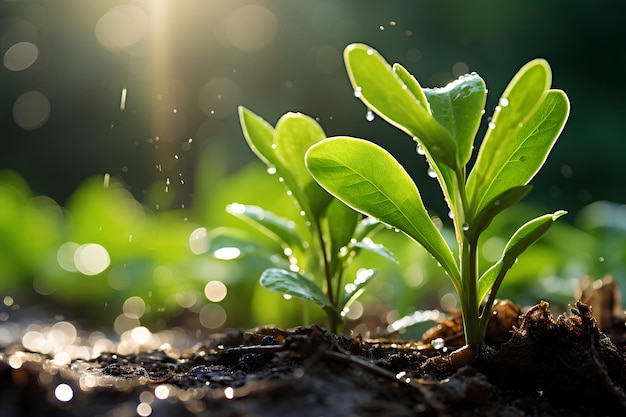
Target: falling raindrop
369 116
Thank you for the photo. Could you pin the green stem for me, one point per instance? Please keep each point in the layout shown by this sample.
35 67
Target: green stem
327 275
468 264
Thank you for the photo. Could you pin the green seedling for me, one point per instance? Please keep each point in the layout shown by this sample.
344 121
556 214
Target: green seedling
444 122
335 233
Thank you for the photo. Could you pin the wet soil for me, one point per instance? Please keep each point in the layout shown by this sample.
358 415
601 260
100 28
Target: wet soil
534 365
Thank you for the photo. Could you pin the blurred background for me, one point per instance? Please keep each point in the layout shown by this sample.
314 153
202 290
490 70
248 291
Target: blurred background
120 147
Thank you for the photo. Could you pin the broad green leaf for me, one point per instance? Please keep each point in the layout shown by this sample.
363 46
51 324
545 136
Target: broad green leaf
259 134
503 201
378 86
519 155
353 290
519 242
279 229
295 133
519 102
296 285
367 178
369 245
458 107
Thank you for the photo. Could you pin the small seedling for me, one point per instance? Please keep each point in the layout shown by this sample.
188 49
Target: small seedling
444 122
336 233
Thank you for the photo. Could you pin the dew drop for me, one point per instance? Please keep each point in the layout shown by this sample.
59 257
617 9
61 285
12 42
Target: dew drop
451 214
274 146
497 202
431 172
492 125
504 101
358 91
420 150
271 170
369 116
465 227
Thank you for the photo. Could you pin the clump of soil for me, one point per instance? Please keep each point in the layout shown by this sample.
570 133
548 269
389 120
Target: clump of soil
534 365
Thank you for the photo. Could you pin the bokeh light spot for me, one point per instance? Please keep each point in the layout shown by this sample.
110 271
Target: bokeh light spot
251 28
31 110
65 256
134 307
212 316
21 56
199 241
215 291
227 253
63 393
144 409
91 259
121 27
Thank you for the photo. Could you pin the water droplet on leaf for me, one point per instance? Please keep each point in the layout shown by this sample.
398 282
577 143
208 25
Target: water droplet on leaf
369 116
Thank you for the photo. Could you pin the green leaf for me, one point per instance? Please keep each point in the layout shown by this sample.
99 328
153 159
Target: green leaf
295 133
367 178
371 246
353 290
411 84
459 107
382 90
341 223
501 202
259 134
519 242
296 285
279 229
522 132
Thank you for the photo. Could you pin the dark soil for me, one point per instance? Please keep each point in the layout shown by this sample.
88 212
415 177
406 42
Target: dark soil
534 365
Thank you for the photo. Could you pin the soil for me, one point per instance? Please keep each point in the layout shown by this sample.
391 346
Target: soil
533 365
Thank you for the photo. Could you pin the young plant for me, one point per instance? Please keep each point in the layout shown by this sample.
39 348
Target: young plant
444 122
336 233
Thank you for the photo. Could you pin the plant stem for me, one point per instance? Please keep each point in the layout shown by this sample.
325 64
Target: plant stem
327 276
468 264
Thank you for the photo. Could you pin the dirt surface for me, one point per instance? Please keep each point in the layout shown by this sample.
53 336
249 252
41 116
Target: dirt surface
534 365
